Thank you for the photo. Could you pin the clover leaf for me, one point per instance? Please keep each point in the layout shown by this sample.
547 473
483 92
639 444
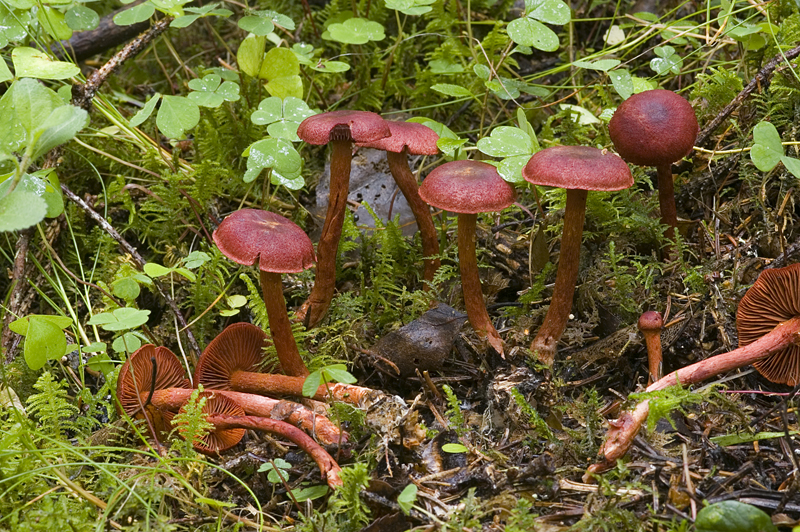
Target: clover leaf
120 319
667 61
44 338
767 150
356 31
211 91
530 30
176 115
410 7
278 155
282 117
276 470
33 63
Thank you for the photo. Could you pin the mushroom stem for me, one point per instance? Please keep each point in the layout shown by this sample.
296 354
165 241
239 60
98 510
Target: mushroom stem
398 166
330 469
624 429
545 345
171 399
650 324
666 200
279 325
471 282
321 295
271 384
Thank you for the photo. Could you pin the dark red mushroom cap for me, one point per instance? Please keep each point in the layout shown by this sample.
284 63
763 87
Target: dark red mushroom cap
650 321
579 168
467 187
773 299
355 126
218 440
419 139
239 347
248 234
136 380
652 128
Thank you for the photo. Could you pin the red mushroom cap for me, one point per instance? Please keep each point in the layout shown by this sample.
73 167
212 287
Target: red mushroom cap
239 347
467 187
773 299
250 234
419 139
650 321
653 128
355 126
579 168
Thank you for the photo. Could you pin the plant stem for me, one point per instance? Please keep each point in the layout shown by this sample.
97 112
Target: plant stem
545 344
471 282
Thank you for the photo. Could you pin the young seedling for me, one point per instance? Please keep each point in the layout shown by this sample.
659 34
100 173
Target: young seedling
340 129
467 188
656 128
251 236
577 169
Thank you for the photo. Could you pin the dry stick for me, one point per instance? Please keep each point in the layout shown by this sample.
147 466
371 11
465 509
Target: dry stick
624 429
16 298
140 262
760 80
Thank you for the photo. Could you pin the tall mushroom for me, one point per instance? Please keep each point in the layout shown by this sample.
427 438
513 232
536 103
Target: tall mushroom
230 424
656 128
159 365
340 129
650 324
468 188
769 320
279 246
577 169
409 138
233 360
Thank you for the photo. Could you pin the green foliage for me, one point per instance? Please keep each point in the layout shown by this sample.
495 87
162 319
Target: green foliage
733 516
191 424
52 406
664 402
610 520
347 511
453 412
538 424
325 375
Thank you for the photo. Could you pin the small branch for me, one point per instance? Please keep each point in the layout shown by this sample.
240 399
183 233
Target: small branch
16 292
760 80
137 258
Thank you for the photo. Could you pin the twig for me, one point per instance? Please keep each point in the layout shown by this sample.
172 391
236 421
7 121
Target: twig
16 292
760 80
138 259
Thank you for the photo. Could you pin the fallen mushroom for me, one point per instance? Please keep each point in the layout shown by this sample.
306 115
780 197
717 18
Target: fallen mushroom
467 188
138 396
577 169
340 129
656 128
233 360
279 246
775 299
230 424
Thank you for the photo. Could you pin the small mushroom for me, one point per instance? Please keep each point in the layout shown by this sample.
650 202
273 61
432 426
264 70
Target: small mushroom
233 360
279 246
410 138
467 188
340 129
577 169
650 324
656 128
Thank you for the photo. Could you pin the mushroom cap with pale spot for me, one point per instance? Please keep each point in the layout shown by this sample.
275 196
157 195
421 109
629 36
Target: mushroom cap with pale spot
467 187
419 139
281 245
773 299
652 128
578 168
355 126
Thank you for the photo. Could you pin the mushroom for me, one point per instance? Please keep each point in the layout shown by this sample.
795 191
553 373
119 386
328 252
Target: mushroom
230 424
232 361
656 128
341 129
650 324
137 396
467 188
774 300
577 169
410 138
279 246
